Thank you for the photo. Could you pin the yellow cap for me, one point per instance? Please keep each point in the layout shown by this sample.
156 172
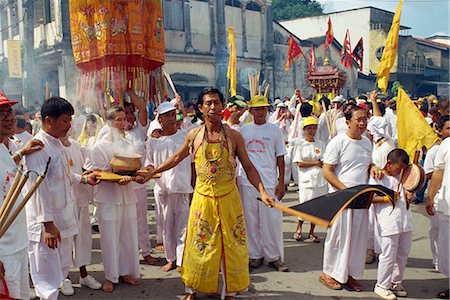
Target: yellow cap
435 101
378 100
309 121
258 101
420 99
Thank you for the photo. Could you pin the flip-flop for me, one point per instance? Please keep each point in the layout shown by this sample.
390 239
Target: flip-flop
298 236
330 283
313 239
444 294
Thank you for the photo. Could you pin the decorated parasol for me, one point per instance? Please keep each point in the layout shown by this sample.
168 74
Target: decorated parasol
117 44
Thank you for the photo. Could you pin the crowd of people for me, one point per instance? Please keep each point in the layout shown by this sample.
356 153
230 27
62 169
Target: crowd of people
219 166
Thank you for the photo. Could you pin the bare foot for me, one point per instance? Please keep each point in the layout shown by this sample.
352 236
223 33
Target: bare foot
152 261
178 269
169 266
129 279
159 248
189 297
108 286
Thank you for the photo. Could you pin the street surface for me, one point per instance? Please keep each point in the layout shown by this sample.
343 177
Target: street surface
301 282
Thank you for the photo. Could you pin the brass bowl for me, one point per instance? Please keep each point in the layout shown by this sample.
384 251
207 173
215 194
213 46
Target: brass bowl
125 165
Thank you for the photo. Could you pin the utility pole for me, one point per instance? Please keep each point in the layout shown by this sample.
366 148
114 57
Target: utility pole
29 86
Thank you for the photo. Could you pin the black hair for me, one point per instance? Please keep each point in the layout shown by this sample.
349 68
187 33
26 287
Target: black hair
382 108
306 109
349 114
54 107
209 91
424 107
128 104
347 106
398 156
325 100
21 123
91 118
441 122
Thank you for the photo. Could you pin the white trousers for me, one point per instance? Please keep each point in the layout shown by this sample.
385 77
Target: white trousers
142 222
287 167
374 237
443 244
308 193
16 274
224 293
158 219
264 225
175 215
434 236
118 240
83 240
345 246
393 258
49 267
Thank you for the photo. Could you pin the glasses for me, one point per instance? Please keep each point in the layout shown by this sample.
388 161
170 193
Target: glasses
5 114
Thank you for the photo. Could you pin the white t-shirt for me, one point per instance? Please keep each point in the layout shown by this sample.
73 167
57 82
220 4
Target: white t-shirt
175 180
264 143
441 163
341 125
15 238
76 161
381 151
390 220
137 136
24 137
351 158
428 164
310 151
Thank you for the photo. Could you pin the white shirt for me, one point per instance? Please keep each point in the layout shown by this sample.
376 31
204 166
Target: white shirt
341 125
264 143
381 151
53 200
391 118
137 136
390 220
351 159
428 164
105 191
175 180
24 137
15 238
76 162
441 163
310 151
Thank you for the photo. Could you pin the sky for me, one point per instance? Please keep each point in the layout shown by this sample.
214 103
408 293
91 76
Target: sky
425 17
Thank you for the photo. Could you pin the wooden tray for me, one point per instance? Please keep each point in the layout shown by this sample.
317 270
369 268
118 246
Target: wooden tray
113 177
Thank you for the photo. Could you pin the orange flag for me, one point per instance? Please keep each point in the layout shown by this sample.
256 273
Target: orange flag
329 35
292 53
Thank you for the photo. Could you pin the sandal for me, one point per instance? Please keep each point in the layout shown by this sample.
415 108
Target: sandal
298 236
444 294
330 282
314 239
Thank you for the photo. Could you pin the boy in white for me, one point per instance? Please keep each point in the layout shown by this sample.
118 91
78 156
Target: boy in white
443 127
347 162
174 186
440 182
51 212
395 228
308 156
83 240
116 206
265 146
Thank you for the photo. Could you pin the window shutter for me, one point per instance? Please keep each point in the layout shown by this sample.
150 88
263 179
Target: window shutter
39 16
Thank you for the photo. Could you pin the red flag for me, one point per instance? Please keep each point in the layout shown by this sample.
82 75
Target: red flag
292 53
346 52
358 53
312 59
329 35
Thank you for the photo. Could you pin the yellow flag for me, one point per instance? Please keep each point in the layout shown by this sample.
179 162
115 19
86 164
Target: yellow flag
414 132
231 74
390 50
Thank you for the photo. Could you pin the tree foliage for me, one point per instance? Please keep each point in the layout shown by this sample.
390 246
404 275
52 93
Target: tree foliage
291 9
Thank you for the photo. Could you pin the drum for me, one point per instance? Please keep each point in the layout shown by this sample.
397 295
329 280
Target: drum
413 178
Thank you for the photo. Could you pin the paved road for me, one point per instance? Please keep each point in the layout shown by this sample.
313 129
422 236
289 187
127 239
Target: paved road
304 260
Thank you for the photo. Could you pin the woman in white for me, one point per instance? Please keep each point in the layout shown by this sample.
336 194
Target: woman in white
116 204
308 157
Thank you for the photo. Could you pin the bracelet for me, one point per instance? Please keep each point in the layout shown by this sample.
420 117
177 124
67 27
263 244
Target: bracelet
19 154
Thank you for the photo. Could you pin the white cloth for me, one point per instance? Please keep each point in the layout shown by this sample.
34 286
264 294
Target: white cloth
378 127
83 240
381 151
374 238
175 212
15 238
24 137
345 246
433 234
264 225
309 151
341 125
83 192
137 136
391 118
264 143
441 163
142 223
118 240
16 274
159 219
109 192
175 180
54 199
351 158
443 244
49 267
428 164
392 220
393 258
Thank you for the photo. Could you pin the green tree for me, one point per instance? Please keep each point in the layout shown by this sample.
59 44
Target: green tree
291 9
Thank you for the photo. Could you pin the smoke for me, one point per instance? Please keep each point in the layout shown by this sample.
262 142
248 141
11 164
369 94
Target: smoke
124 147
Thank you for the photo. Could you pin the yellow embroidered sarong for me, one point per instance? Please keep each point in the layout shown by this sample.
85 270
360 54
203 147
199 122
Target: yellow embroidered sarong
216 227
